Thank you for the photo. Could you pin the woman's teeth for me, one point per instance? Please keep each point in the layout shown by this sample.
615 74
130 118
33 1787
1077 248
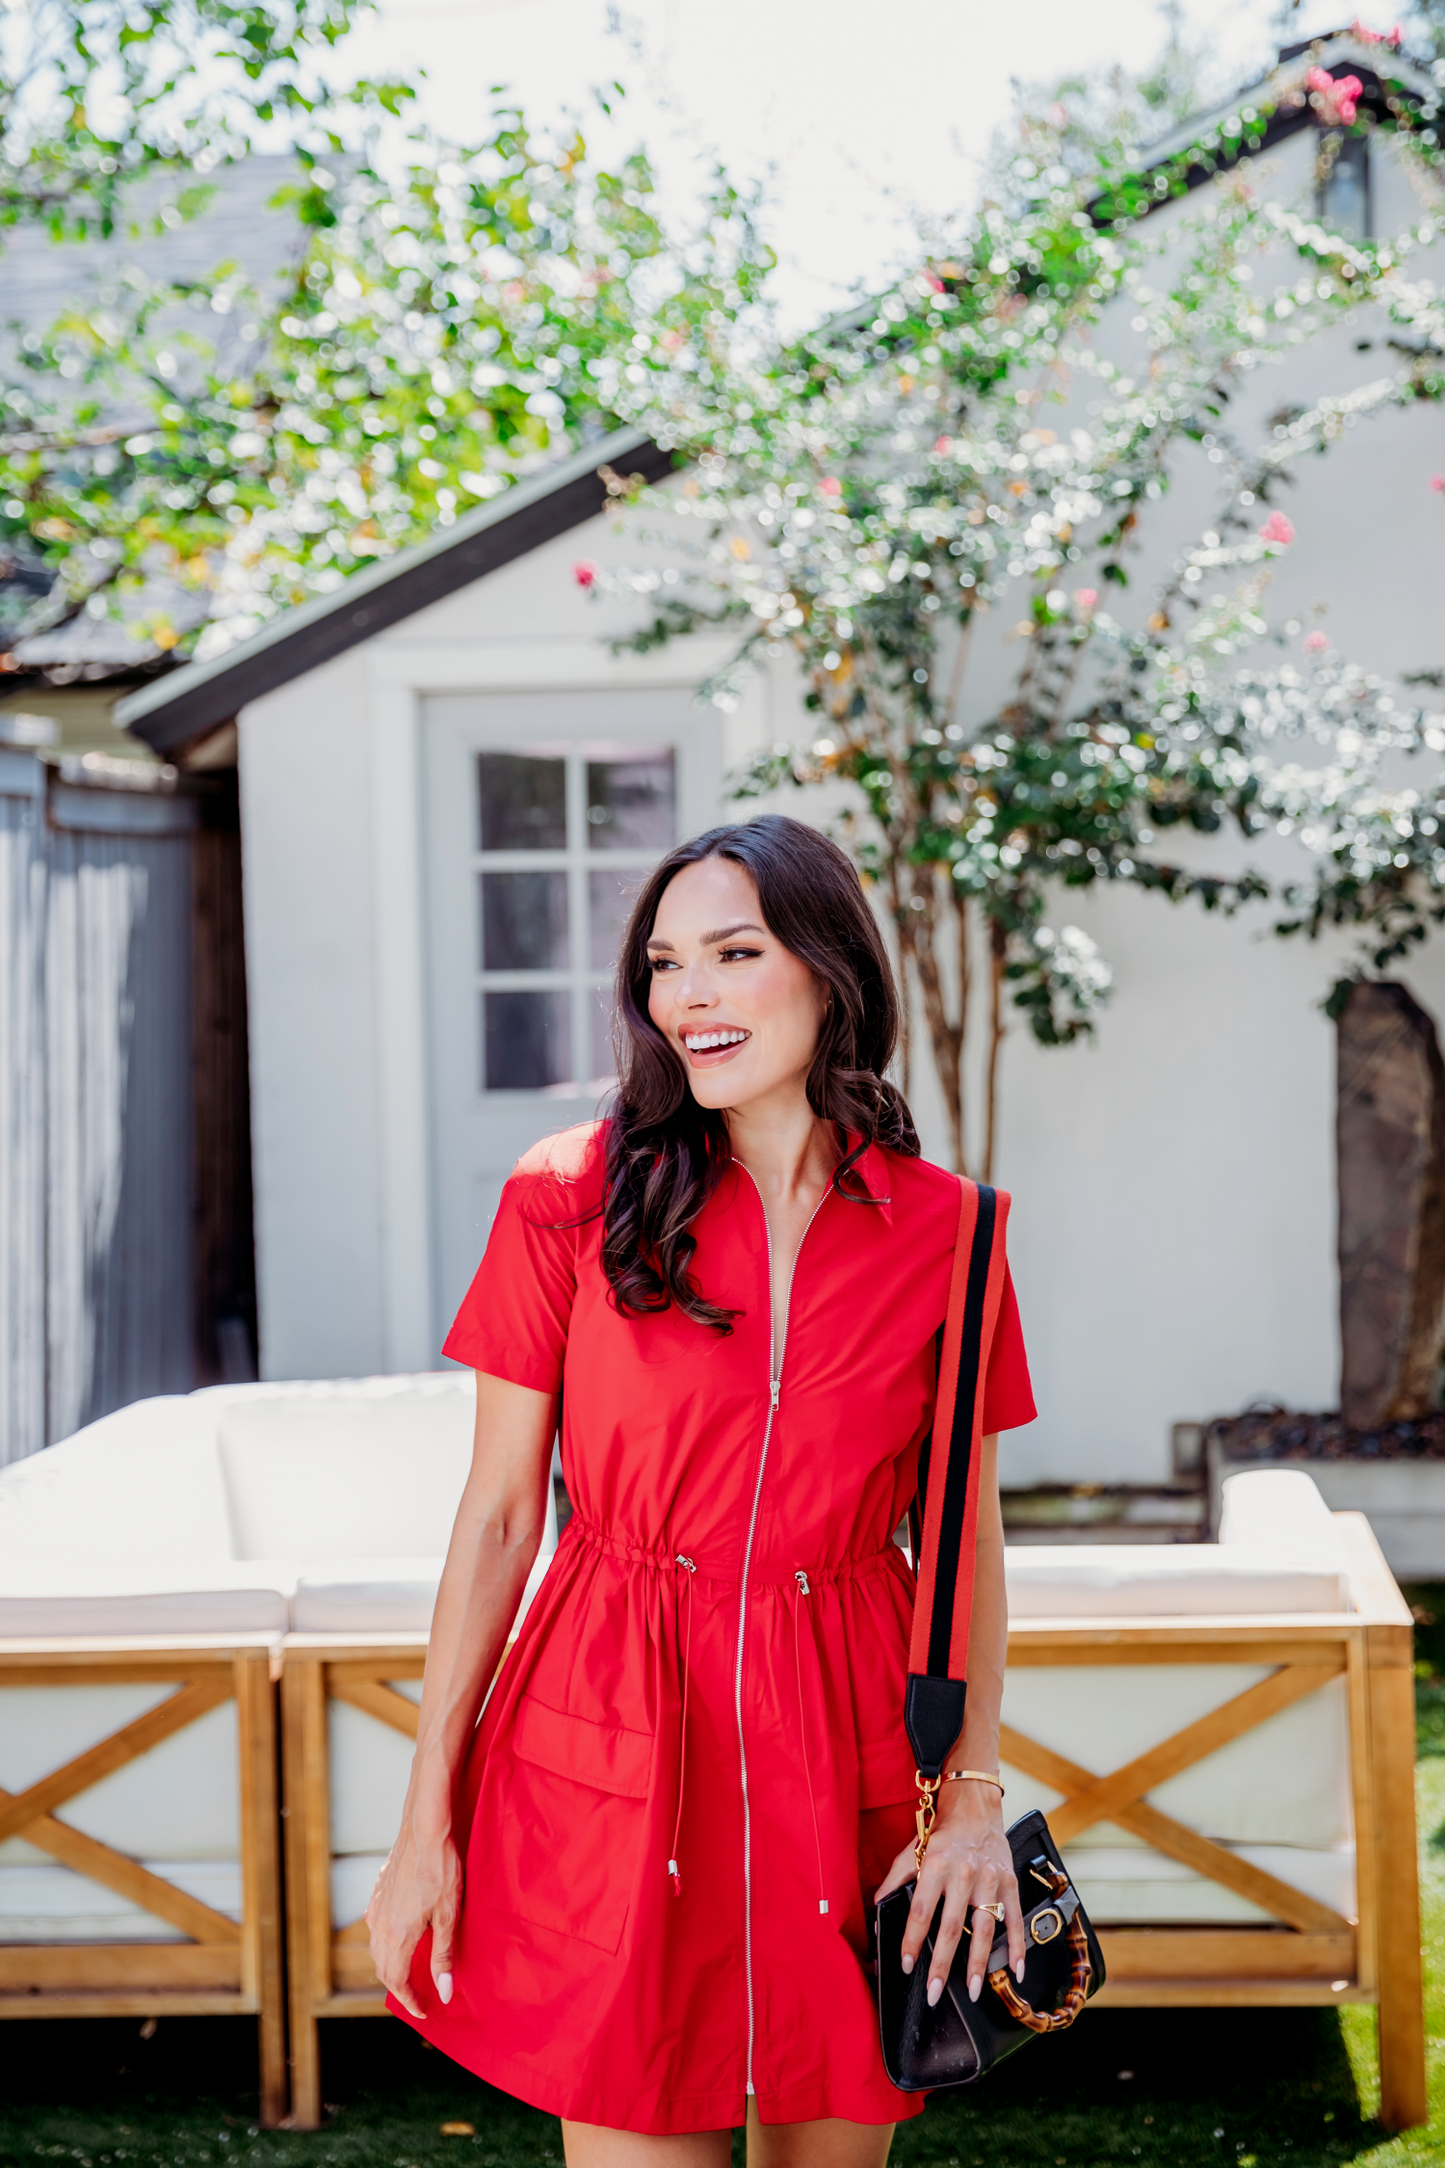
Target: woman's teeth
700 1042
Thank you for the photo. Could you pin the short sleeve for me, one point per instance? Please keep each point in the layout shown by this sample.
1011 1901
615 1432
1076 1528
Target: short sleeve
1008 1394
514 1318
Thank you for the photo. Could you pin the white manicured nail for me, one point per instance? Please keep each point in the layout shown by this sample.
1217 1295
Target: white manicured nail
935 1989
444 1986
1019 1972
908 1964
973 1988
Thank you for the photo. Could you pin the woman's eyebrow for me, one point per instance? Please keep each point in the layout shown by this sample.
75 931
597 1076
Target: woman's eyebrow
725 933
719 933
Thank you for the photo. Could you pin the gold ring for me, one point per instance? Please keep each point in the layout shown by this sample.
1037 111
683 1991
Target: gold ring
995 1910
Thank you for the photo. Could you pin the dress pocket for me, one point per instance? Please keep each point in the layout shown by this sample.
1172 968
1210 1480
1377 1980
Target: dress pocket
571 1804
885 1771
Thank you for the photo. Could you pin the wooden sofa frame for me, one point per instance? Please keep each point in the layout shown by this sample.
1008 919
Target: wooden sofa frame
222 1968
328 1971
1312 1955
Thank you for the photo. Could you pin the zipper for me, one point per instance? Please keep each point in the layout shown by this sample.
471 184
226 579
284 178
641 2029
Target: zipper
775 1387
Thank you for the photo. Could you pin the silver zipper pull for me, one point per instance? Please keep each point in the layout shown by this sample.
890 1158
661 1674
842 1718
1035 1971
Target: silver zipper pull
775 1386
802 1580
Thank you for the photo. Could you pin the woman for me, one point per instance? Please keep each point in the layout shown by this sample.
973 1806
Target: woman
638 1893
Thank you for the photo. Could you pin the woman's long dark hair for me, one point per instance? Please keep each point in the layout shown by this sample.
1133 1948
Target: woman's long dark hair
665 1153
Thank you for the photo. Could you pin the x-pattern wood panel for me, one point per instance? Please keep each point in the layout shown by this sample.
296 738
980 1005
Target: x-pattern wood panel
1119 1796
376 1698
27 1814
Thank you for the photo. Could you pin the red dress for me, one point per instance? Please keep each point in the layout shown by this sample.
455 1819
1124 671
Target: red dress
692 1773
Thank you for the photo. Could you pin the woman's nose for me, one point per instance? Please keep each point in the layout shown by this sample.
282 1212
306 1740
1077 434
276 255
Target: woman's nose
694 990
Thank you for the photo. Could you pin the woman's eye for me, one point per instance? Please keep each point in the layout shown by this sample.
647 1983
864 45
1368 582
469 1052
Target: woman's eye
737 955
661 963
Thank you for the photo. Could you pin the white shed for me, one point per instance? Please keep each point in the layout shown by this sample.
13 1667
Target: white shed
453 726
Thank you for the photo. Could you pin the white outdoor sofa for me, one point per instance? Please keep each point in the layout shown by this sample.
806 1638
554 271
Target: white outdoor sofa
150 1569
1222 1735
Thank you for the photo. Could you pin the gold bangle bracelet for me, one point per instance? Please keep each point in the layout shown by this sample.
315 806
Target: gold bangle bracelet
979 1776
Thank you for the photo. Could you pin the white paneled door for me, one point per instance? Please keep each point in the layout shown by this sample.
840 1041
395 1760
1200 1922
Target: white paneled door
544 810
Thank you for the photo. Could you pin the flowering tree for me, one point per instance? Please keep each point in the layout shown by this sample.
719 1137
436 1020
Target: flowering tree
861 500
445 329
94 93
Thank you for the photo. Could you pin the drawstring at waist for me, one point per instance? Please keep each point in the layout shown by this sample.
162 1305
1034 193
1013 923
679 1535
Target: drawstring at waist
672 1866
801 1589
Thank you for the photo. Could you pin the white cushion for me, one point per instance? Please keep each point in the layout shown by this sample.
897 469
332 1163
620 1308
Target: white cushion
370 1768
353 1878
180 1799
1285 1781
1141 1888
83 1594
138 1487
371 1468
43 1902
1136 1580
392 1595
366 1595
1279 1512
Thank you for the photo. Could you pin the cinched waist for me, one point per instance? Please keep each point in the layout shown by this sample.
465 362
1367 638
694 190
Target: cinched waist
665 1558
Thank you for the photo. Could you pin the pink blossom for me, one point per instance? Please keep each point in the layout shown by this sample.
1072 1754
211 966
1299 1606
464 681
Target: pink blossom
1085 598
585 573
933 282
943 446
1277 529
1316 642
831 486
1437 481
1367 36
1335 96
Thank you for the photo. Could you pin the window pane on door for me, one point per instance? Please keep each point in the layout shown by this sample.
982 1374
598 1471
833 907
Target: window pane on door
527 1039
523 801
524 922
632 802
611 893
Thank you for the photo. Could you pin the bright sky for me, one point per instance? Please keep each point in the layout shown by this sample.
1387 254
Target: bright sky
856 111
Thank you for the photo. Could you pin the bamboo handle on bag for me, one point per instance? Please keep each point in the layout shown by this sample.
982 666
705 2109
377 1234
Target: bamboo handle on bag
1046 2021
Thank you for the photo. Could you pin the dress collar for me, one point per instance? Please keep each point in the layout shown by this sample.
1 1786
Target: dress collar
873 1171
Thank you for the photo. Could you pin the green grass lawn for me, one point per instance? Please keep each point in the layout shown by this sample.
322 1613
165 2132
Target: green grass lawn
1160 2088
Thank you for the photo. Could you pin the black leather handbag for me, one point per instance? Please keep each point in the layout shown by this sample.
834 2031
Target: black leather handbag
958 2040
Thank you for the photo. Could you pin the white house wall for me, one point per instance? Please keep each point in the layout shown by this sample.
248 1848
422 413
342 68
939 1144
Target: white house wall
307 870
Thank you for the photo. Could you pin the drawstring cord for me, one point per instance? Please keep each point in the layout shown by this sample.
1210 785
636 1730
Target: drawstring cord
804 1590
672 1867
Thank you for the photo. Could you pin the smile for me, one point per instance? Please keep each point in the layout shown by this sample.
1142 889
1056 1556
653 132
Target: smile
712 1042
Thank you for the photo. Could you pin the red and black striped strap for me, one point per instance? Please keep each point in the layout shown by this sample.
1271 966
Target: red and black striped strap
948 1483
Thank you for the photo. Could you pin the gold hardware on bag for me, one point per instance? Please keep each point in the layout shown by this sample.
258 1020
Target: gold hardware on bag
924 1819
1046 1924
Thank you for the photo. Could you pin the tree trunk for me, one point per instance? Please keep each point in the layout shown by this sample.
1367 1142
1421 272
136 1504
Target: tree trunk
1390 1128
946 1035
905 977
997 949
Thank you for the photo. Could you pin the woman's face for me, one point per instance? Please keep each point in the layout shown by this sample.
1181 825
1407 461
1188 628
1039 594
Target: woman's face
742 1011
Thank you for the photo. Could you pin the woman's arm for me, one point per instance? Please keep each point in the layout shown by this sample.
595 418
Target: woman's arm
495 1539
968 1859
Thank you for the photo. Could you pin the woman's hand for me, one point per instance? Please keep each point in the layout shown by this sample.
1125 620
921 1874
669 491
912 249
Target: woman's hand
419 1887
968 1862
